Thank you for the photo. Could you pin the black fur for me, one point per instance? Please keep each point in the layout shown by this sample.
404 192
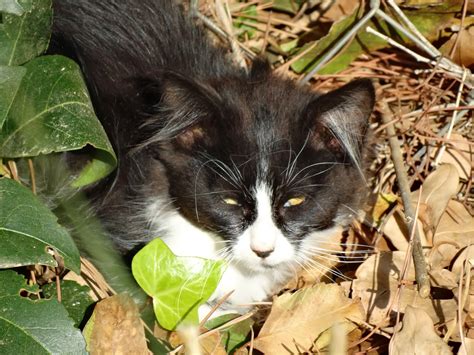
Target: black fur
188 123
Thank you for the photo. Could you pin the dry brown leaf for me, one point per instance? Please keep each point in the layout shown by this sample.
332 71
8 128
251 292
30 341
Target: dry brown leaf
297 320
459 153
456 227
377 282
117 327
464 52
418 336
468 348
439 187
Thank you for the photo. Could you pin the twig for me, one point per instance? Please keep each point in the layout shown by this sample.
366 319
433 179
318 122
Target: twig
394 43
402 180
451 123
31 167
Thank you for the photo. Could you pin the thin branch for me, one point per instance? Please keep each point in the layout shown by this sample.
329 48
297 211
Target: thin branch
421 273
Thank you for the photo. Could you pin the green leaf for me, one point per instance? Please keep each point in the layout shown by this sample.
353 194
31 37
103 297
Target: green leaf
34 327
28 228
241 26
428 23
24 37
178 285
10 79
321 46
75 298
52 112
15 7
290 6
234 336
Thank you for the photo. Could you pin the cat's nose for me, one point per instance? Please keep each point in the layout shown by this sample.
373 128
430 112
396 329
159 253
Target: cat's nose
262 253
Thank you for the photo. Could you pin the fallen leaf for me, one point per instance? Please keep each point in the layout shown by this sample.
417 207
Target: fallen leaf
377 282
297 320
438 188
458 153
417 336
116 327
464 51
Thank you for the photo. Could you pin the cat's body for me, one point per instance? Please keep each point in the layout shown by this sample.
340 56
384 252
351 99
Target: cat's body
216 161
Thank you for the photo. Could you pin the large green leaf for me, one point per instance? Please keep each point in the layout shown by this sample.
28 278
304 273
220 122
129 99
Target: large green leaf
24 37
178 285
15 7
34 327
52 112
75 298
10 79
28 228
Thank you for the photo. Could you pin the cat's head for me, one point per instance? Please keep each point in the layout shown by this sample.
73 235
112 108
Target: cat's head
267 165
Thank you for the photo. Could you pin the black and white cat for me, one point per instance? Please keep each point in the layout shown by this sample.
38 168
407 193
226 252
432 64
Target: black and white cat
217 161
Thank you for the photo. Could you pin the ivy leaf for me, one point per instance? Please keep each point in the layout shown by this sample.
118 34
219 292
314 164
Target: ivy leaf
234 336
25 221
178 285
52 112
10 79
34 327
24 37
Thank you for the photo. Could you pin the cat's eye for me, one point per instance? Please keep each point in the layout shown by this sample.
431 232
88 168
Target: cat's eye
231 201
295 201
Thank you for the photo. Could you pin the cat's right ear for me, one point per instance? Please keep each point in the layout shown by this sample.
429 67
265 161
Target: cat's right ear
185 112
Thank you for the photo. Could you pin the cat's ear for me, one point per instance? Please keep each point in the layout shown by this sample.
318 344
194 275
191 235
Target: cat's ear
260 69
188 109
339 119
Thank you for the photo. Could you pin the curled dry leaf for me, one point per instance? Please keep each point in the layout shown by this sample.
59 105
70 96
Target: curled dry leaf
418 336
455 231
464 52
439 187
115 327
377 281
459 154
297 320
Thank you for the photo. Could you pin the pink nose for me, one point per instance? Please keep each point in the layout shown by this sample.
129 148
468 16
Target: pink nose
262 253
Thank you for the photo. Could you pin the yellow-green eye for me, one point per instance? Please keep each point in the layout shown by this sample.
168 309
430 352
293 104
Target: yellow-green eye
231 201
295 201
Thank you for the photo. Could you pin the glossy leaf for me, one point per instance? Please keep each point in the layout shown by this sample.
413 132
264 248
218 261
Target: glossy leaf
15 7
75 298
10 79
24 37
26 222
52 112
178 285
34 327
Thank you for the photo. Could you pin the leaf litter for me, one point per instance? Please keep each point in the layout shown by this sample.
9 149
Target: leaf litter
373 302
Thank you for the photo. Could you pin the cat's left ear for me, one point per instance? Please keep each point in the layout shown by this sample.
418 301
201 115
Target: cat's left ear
340 118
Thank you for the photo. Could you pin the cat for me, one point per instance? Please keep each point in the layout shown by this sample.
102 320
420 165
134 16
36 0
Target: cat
217 161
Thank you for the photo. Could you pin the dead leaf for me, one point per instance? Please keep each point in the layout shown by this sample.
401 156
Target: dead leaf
468 347
117 327
458 153
376 284
418 336
297 320
464 52
439 187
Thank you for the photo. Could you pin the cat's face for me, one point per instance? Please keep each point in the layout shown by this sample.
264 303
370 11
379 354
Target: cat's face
270 170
